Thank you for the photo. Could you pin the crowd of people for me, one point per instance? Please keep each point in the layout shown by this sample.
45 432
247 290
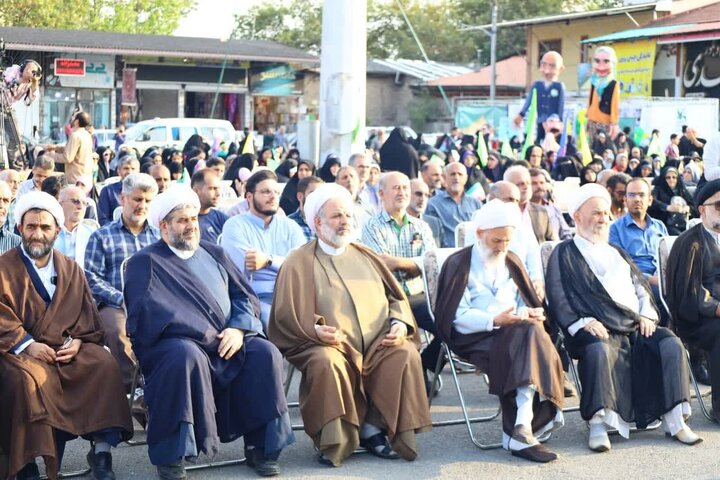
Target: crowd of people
202 270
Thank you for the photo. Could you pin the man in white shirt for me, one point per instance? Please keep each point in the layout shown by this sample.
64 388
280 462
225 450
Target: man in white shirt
75 232
631 370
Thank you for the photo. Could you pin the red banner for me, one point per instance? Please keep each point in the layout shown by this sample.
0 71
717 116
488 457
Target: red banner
69 67
129 92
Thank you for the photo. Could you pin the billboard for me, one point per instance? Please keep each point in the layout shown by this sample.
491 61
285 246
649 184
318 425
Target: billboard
701 72
635 63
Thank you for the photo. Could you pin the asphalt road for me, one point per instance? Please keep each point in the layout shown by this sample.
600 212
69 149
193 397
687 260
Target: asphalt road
446 452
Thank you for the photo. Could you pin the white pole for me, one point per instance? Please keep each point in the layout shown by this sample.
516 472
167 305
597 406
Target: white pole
343 63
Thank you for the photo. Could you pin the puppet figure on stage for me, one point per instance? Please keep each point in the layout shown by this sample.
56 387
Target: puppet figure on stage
603 110
550 93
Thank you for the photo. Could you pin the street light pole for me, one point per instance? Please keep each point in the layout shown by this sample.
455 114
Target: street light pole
493 51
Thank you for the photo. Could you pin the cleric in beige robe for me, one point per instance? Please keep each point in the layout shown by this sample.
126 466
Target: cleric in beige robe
57 380
340 317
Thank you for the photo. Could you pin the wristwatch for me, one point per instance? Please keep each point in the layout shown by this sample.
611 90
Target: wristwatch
269 261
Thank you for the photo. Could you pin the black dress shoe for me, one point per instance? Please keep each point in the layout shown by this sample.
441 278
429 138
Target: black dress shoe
378 445
101 465
263 466
29 472
701 373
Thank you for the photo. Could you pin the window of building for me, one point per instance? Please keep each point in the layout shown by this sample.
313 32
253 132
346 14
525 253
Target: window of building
545 46
584 50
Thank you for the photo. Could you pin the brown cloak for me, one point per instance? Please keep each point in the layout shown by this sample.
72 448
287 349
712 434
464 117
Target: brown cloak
80 397
516 356
391 377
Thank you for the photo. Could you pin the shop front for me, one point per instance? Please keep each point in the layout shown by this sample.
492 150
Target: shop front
277 93
73 82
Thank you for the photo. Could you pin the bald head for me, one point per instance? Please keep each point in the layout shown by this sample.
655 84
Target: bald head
419 196
520 177
432 175
551 66
12 178
394 192
455 175
161 174
505 191
5 199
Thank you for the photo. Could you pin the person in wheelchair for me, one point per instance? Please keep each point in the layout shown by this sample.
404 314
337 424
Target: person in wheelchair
488 312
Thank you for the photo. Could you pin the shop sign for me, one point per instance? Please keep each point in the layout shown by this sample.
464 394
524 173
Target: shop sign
69 67
98 72
275 80
701 72
129 86
635 63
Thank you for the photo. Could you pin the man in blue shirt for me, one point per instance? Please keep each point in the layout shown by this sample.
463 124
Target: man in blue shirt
110 195
259 241
305 187
206 183
453 206
107 248
638 234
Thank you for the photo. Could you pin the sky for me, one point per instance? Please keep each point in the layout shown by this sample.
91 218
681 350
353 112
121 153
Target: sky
213 18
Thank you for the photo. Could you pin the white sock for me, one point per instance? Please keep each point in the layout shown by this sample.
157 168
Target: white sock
524 401
367 430
597 429
102 447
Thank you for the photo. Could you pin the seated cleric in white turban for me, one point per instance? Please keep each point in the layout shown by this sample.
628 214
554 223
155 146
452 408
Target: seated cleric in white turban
340 317
487 312
631 370
210 376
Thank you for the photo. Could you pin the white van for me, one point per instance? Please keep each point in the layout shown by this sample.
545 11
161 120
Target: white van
174 132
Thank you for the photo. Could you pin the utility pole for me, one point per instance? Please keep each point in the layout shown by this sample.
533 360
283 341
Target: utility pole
343 68
493 50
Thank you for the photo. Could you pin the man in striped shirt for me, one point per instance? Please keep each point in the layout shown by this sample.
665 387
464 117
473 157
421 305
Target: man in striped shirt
8 239
401 240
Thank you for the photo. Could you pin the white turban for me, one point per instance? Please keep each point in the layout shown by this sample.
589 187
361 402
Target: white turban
167 201
585 193
41 200
320 196
496 214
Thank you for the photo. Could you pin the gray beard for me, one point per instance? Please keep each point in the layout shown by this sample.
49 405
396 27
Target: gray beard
339 241
182 244
38 252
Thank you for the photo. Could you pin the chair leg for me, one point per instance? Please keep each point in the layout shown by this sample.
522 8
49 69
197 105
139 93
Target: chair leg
467 420
578 388
209 465
698 393
131 399
77 473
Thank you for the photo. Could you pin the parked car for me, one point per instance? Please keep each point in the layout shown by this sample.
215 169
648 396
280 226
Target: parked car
174 132
105 137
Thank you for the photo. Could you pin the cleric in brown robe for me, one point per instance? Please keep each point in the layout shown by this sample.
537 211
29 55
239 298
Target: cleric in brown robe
487 312
340 317
57 380
693 284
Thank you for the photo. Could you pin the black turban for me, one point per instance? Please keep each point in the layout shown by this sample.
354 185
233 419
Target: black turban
707 191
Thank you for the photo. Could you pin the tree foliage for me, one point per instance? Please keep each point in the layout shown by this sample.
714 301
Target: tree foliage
159 17
439 25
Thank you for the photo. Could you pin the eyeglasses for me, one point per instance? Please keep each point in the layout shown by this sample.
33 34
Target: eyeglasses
636 195
715 205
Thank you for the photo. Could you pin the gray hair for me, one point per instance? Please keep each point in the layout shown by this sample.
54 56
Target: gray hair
515 169
44 162
387 175
141 181
352 161
609 51
127 159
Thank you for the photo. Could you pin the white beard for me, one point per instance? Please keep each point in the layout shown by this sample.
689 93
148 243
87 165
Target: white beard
490 259
339 241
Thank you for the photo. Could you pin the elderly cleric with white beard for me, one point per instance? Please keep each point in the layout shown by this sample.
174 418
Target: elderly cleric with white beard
487 312
340 317
630 369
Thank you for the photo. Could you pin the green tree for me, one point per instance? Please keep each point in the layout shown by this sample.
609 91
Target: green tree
128 16
439 25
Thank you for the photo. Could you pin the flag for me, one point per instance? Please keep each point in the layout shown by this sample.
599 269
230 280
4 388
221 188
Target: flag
249 145
482 151
530 124
506 150
562 151
583 145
